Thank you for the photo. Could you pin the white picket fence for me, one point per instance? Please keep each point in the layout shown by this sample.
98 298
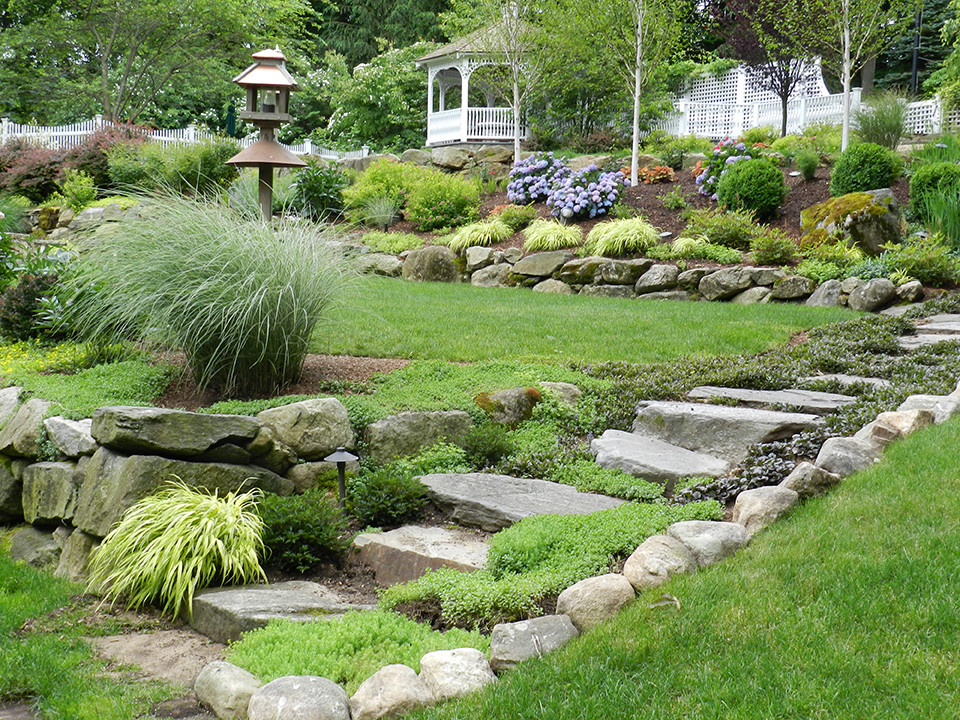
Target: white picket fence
66 136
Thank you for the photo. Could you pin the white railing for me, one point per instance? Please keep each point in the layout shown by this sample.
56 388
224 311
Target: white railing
716 121
61 137
476 124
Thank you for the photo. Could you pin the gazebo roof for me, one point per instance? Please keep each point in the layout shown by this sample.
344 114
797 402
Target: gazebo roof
479 42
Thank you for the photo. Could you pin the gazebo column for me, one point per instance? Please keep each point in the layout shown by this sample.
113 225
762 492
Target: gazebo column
464 102
431 74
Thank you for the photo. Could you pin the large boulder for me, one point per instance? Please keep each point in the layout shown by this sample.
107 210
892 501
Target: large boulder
75 556
509 407
379 264
494 154
451 158
656 560
171 433
299 697
624 272
726 283
392 690
436 263
542 264
20 436
416 156
491 276
582 271
11 489
868 220
512 643
792 287
618 292
409 432
595 600
226 689
34 547
873 295
50 492
478 257
454 673
312 428
717 430
657 278
113 483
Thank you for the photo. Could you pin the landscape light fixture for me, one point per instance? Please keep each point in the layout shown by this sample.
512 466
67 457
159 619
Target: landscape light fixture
341 457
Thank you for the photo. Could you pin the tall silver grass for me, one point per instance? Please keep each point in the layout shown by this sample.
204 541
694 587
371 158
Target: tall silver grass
240 297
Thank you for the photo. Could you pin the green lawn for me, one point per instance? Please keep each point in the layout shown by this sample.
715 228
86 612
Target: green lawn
847 609
383 317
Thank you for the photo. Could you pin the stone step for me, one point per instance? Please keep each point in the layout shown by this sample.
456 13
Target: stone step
941 318
847 380
718 430
913 342
652 459
406 553
810 401
493 502
223 614
943 327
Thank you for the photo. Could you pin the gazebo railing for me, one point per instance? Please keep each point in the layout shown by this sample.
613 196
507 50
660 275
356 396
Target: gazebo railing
475 124
444 127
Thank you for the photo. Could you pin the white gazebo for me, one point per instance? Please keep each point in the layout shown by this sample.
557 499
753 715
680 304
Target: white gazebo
449 70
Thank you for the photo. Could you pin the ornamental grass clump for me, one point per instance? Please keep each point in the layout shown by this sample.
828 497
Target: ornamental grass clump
544 235
240 298
622 237
178 541
484 233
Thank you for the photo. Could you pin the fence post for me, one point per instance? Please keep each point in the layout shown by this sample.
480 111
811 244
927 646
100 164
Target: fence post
684 124
365 149
938 115
191 133
4 129
803 113
308 146
97 121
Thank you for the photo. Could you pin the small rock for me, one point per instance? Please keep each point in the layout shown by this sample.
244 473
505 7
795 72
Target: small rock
299 697
619 292
512 643
873 295
710 542
509 407
225 689
676 295
766 276
71 437
910 292
752 296
594 600
844 456
759 507
34 547
392 690
379 264
807 480
658 558
658 277
455 673
827 295
554 287
478 257
491 276
890 426
567 393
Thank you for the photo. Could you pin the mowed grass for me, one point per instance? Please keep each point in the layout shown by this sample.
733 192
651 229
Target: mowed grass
847 609
381 317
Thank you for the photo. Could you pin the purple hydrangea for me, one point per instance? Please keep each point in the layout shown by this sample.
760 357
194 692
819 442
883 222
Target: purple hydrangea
532 178
585 194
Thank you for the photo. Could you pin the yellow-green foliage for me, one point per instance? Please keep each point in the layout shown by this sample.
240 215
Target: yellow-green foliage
384 178
346 650
484 233
393 243
622 237
543 235
171 544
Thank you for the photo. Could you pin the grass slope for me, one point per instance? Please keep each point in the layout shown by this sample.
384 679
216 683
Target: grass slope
388 318
847 609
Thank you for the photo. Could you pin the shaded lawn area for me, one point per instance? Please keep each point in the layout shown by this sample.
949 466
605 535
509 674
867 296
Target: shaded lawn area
382 317
847 609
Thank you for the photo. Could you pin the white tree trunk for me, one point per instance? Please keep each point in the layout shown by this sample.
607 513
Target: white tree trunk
637 87
846 78
516 120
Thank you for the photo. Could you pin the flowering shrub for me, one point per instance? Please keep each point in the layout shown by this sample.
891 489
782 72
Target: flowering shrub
587 193
438 200
532 178
728 152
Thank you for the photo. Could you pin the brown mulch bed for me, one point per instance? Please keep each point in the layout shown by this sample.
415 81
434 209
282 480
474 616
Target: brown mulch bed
646 198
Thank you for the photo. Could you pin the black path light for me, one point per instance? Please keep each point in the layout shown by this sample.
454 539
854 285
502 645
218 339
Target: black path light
268 86
341 457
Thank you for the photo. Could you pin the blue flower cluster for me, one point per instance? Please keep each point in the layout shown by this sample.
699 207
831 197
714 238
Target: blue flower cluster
585 194
725 154
532 178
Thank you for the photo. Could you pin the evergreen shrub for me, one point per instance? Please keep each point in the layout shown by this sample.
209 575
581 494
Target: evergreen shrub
862 167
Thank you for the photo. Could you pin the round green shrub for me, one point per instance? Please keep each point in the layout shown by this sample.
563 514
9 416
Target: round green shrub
862 167
385 497
755 185
931 177
302 530
807 163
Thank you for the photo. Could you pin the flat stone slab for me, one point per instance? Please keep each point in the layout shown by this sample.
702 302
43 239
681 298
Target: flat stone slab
653 459
848 380
924 339
406 553
941 327
809 401
493 502
942 318
223 614
718 430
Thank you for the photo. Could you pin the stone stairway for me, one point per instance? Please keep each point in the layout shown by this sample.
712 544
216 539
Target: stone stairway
933 330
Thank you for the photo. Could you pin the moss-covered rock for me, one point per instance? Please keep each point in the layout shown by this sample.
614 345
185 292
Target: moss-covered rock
868 220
